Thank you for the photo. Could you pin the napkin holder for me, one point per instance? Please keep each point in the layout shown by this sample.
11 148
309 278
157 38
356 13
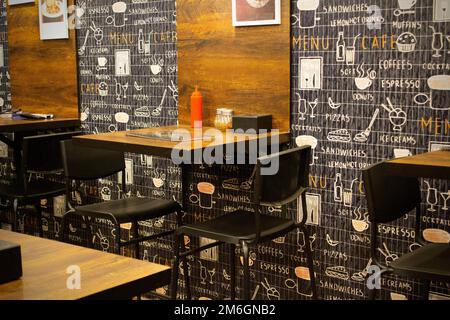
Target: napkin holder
10 262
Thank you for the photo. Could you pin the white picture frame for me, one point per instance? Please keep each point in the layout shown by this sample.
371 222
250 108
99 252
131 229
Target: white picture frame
16 2
240 12
53 25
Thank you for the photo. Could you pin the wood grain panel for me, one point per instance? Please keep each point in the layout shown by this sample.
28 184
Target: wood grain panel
43 73
435 165
103 275
246 69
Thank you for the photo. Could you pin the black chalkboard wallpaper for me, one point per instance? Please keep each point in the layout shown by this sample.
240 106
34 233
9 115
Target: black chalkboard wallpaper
370 81
5 90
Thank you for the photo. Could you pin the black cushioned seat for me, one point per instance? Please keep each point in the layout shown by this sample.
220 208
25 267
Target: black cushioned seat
429 262
40 154
237 227
130 210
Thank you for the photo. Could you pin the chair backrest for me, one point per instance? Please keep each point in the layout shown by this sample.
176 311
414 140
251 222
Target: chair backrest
83 163
389 197
43 153
289 181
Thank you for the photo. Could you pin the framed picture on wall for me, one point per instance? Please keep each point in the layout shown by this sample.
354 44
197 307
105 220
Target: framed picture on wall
256 12
15 2
53 19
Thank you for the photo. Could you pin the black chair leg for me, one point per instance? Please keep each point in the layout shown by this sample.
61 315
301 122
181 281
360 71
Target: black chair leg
233 271
246 256
187 279
426 290
136 236
118 239
373 294
175 268
62 234
15 215
39 217
309 257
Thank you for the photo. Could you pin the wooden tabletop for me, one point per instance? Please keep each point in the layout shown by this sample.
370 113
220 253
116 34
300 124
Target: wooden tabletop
435 165
11 125
120 141
103 275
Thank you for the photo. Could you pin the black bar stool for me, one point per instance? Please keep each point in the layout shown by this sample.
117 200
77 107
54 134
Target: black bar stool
83 164
41 154
389 198
242 228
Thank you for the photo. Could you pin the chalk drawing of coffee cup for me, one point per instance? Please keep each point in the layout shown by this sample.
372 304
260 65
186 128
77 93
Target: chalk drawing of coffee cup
205 199
439 97
365 77
158 182
361 221
406 4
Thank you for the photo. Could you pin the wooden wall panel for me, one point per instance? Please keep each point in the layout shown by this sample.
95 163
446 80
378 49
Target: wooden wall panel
246 69
43 73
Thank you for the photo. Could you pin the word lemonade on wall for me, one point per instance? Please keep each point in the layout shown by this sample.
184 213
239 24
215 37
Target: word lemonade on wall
372 82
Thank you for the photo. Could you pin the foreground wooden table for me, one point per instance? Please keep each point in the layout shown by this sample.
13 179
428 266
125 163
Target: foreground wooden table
103 275
434 165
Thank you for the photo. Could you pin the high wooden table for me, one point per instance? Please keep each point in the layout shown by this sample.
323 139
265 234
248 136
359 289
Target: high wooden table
120 141
103 275
433 165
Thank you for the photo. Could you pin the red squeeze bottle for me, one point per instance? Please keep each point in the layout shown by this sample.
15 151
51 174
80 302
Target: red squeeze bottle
196 109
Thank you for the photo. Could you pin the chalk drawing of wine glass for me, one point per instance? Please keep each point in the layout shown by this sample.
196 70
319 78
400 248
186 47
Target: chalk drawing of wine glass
203 273
438 42
211 274
302 108
301 241
313 106
446 197
432 197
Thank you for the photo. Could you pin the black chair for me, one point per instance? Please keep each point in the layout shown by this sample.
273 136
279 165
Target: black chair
389 198
242 228
42 155
84 164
